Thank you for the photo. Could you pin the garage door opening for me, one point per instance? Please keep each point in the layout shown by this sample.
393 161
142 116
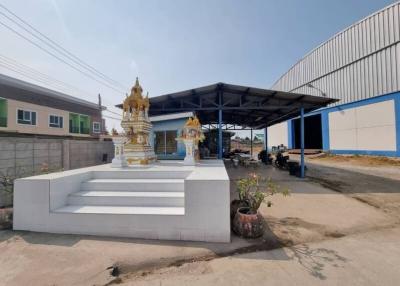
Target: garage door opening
312 132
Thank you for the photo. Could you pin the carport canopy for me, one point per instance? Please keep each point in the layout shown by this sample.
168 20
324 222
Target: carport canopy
248 107
244 106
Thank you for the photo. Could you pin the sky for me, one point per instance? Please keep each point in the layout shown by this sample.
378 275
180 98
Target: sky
172 45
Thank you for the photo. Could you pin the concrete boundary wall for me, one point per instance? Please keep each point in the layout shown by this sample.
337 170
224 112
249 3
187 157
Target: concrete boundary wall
27 156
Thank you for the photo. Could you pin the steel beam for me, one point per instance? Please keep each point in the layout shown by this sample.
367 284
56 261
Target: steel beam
220 147
302 142
196 107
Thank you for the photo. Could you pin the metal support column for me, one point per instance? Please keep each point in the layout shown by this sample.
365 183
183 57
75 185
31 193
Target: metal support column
266 139
302 142
220 147
251 142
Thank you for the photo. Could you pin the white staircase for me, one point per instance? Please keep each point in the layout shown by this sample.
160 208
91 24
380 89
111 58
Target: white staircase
155 193
165 200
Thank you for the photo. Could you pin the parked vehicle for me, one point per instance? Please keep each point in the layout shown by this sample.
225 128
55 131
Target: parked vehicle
265 157
281 160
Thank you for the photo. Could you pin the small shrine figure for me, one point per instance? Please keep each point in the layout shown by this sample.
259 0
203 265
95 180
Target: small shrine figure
119 160
191 136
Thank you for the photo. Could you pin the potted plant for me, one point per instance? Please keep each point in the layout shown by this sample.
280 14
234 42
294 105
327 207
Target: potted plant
253 190
243 188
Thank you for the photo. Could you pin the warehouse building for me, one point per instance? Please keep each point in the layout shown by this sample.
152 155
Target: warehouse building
360 66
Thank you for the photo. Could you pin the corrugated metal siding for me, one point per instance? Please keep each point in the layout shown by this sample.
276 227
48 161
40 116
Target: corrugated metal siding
360 62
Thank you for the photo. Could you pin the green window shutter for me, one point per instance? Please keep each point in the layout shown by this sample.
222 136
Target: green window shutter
3 113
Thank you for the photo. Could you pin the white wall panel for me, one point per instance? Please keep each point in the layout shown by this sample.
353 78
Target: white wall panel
343 139
370 127
375 115
278 134
381 138
342 120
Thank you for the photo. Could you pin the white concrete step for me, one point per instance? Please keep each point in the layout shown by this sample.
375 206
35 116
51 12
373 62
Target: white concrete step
140 174
122 210
142 185
127 198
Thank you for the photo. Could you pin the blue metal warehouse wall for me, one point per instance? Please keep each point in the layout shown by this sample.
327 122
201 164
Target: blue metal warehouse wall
361 67
378 133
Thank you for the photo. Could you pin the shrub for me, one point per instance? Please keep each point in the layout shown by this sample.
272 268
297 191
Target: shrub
255 189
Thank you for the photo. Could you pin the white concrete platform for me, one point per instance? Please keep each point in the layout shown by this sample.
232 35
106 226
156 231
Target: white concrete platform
167 200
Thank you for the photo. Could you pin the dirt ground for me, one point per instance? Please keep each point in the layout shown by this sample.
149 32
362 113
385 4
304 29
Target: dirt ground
371 165
323 205
331 204
370 179
377 191
358 160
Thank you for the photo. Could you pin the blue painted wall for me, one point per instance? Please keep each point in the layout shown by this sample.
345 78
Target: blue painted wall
176 125
325 125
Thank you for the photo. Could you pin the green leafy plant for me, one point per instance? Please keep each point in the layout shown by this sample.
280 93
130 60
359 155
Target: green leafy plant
7 180
255 189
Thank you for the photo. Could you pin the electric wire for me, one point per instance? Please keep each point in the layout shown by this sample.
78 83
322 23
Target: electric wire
8 62
60 59
55 46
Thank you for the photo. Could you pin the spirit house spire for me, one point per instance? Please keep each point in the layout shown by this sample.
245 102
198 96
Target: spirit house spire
137 126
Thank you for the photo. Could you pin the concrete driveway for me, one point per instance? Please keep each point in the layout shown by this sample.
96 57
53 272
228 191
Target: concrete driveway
363 259
312 213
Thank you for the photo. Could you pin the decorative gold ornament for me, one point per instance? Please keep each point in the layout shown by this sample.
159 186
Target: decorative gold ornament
191 136
135 102
192 130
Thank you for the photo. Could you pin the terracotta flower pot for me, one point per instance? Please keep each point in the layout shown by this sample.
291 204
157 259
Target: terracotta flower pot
248 225
235 205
